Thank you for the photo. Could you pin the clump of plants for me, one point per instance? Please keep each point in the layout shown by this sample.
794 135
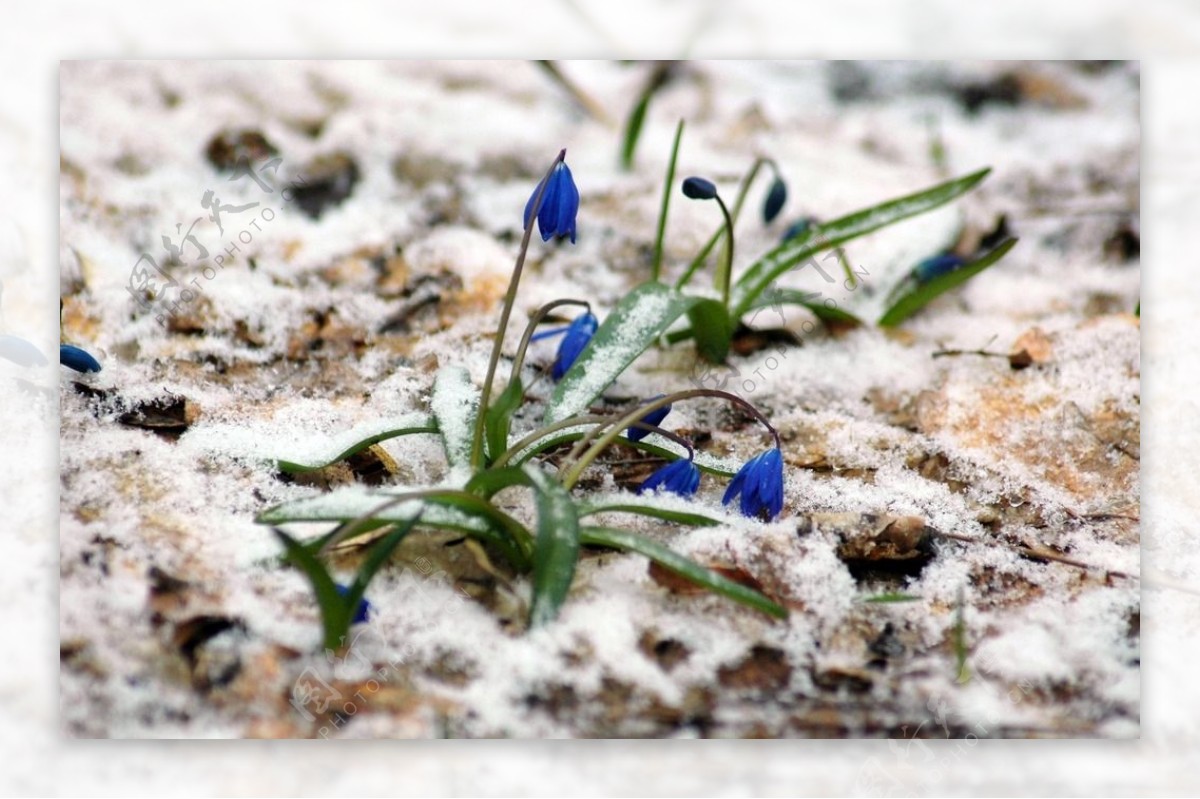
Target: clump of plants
485 455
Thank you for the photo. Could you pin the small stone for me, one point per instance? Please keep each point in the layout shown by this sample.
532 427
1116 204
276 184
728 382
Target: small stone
228 147
1032 346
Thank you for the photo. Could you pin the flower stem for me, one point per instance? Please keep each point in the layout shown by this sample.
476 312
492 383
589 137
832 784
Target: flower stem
725 273
743 190
614 429
509 299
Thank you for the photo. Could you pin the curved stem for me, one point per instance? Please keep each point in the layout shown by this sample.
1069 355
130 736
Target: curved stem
743 190
509 299
542 432
535 320
725 273
571 477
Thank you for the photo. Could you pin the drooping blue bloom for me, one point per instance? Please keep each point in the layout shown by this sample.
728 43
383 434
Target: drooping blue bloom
699 189
776 197
655 418
364 608
21 352
577 337
936 266
75 358
679 477
760 484
560 204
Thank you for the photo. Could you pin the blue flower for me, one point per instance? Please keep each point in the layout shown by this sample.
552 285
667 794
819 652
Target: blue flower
760 483
679 477
936 266
578 335
776 197
560 204
655 418
364 607
77 359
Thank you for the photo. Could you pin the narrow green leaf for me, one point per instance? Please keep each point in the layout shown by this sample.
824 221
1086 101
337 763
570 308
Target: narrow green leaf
557 550
712 327
684 567
777 297
376 558
455 404
498 418
638 320
763 272
656 267
444 509
336 611
924 293
650 508
633 131
408 425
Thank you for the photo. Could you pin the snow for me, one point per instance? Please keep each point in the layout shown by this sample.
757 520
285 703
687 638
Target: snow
866 416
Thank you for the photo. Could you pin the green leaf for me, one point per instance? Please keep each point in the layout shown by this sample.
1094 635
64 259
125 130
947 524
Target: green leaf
633 131
924 293
336 612
684 567
763 272
498 418
445 509
639 319
375 560
557 549
712 327
777 297
455 405
656 266
409 425
655 509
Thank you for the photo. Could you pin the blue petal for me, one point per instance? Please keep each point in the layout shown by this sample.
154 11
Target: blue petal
560 204
77 359
679 477
655 418
364 607
578 335
738 482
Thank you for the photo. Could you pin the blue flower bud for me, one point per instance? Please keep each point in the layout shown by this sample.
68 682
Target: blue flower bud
77 359
760 484
797 228
937 266
776 197
678 477
560 204
699 189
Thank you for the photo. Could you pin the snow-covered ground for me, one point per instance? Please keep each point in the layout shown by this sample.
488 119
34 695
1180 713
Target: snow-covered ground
310 328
